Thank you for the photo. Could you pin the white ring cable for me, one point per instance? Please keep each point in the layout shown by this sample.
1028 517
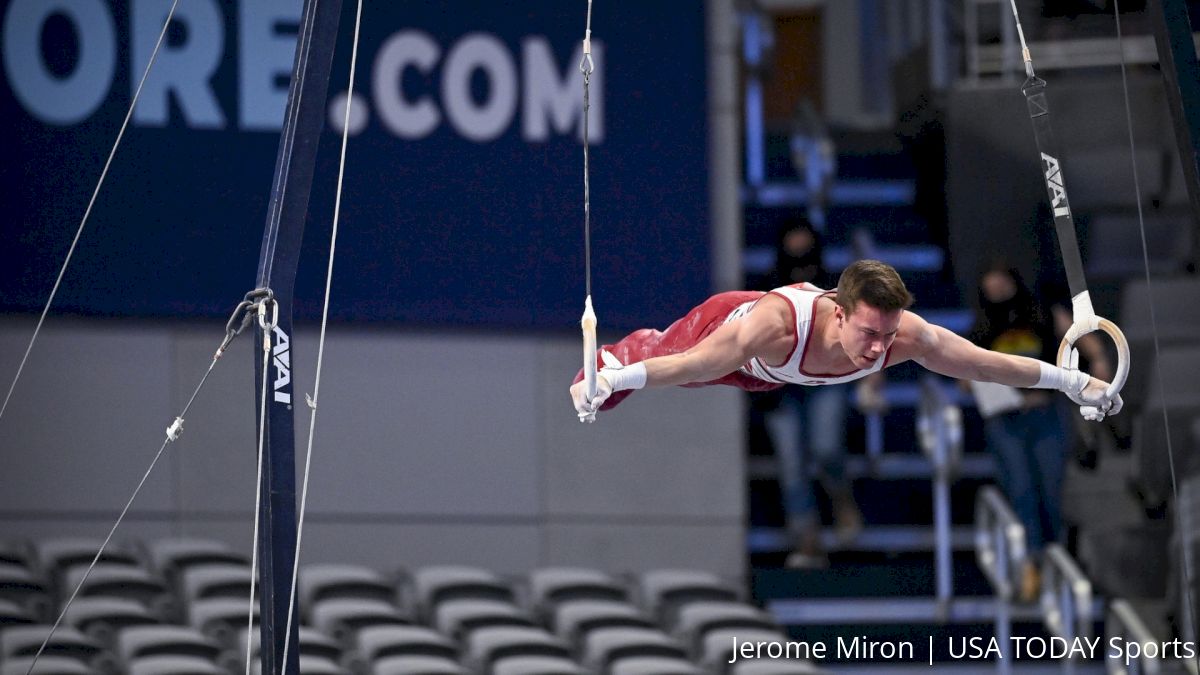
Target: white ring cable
262 430
312 400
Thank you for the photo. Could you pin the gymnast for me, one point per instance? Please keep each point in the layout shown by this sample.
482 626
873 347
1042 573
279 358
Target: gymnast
801 334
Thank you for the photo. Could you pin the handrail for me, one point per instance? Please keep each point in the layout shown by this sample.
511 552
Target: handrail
1123 623
1066 599
1000 553
939 429
999 541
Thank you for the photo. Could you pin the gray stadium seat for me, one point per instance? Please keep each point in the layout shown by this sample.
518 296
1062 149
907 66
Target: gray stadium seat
13 553
775 667
341 617
537 665
436 583
220 618
223 580
549 586
1176 312
55 555
24 641
103 617
309 665
1180 370
1115 244
694 620
48 665
716 648
170 556
455 617
13 614
603 646
24 588
121 581
138 642
663 591
378 642
653 665
484 646
319 582
417 665
170 664
573 618
313 643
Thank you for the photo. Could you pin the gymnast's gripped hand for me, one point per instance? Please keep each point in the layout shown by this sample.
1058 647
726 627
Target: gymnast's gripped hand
1093 400
1094 403
583 407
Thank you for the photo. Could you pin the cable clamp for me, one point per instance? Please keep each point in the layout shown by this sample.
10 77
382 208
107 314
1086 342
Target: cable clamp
586 65
175 429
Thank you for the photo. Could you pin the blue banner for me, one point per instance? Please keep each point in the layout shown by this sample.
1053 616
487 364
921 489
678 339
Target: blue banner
463 196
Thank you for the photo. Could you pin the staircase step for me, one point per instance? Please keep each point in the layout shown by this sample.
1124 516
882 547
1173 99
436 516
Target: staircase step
790 192
869 576
888 465
888 539
882 209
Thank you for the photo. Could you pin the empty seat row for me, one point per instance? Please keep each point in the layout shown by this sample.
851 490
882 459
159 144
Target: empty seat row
357 620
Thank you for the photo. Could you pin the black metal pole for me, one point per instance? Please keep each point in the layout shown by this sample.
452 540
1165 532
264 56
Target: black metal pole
1181 77
280 256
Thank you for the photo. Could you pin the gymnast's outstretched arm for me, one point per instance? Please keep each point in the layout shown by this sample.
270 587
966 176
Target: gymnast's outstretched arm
723 351
949 354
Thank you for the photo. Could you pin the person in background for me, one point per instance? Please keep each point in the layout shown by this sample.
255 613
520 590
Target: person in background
1023 429
807 425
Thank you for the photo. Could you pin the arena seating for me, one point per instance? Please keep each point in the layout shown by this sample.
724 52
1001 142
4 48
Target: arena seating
179 607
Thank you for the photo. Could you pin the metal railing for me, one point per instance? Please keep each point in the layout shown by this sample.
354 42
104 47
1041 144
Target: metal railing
939 429
1124 625
1066 600
1000 553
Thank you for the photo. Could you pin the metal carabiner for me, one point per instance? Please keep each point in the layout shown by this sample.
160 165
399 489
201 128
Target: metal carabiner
262 313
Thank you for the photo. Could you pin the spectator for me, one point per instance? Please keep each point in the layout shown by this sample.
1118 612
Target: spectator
807 425
1023 429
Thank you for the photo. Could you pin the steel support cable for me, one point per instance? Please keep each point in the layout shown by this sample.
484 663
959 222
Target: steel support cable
172 435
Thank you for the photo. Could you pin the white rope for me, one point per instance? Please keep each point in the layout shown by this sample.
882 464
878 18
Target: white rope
588 321
312 401
1162 394
262 431
88 212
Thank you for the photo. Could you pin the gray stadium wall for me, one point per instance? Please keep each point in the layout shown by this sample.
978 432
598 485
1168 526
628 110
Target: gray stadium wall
430 448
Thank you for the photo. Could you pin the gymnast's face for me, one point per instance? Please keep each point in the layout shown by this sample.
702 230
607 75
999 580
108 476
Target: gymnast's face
867 333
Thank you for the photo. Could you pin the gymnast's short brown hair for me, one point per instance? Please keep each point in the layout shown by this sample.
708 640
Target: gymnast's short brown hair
874 283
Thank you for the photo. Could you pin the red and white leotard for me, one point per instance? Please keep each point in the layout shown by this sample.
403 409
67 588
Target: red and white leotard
721 309
802 299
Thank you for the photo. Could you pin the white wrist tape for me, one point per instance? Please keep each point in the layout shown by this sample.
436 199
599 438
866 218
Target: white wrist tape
1062 379
632 376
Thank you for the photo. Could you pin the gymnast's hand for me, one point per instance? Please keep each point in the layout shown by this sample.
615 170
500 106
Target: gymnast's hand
1093 400
583 407
1094 403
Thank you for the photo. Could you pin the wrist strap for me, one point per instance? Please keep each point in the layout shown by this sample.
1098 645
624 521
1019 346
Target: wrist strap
632 376
1054 377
